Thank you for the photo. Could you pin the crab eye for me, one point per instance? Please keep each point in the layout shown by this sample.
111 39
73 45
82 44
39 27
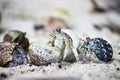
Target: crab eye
58 30
1 48
101 48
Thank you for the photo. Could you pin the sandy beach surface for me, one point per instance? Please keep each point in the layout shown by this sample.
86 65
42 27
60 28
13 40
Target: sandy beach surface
26 16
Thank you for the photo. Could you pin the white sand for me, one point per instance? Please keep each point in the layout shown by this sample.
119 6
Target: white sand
33 12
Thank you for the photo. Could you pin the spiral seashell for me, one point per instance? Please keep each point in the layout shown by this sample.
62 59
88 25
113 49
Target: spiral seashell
18 37
101 48
6 52
44 54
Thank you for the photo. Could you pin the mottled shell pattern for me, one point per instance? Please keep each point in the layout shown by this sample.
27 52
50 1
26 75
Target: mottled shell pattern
6 52
13 49
96 49
101 48
43 54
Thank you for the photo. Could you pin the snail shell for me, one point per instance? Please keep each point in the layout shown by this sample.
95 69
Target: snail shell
101 48
6 52
11 35
18 37
40 55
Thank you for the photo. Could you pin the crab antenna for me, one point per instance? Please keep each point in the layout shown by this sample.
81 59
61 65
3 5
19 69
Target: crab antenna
51 35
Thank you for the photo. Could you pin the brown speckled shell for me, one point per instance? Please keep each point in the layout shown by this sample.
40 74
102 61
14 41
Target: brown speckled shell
6 49
40 55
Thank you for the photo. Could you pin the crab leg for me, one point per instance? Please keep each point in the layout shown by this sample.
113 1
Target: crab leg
76 54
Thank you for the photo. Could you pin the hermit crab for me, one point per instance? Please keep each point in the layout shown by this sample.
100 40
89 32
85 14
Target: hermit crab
96 48
59 18
13 49
62 46
18 37
73 47
67 41
10 55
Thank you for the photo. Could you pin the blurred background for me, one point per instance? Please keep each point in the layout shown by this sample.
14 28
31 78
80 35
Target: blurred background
93 18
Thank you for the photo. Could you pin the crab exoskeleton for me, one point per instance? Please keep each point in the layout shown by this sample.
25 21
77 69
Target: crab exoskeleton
67 41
